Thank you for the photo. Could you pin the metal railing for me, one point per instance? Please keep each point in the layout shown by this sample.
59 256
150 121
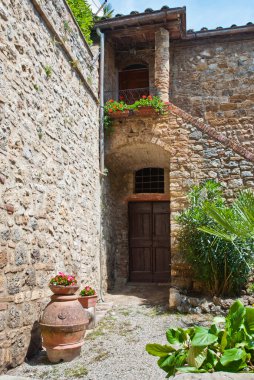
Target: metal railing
129 95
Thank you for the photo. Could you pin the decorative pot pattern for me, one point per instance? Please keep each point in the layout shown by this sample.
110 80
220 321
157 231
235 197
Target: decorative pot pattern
63 326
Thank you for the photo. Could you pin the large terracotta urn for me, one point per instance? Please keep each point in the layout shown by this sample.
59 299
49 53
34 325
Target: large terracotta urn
63 325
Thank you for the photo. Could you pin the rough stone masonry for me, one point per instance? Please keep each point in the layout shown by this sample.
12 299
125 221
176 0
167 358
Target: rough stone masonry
49 163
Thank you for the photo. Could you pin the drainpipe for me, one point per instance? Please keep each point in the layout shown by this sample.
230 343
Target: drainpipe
102 62
101 147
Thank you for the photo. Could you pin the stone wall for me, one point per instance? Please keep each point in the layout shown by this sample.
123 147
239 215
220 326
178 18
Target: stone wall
49 163
188 153
211 78
214 79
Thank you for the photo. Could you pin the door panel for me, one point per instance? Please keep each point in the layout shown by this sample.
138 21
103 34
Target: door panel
140 220
149 240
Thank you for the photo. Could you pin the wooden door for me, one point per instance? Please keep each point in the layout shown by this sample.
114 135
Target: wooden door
149 241
132 79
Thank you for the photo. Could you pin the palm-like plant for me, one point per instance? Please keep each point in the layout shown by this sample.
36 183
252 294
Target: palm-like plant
236 222
218 239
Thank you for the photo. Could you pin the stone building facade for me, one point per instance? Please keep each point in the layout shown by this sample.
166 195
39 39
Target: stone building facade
49 163
208 134
54 212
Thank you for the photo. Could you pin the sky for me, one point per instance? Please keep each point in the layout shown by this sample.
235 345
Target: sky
200 13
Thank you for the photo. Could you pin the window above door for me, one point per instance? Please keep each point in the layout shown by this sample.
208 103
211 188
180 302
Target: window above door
149 180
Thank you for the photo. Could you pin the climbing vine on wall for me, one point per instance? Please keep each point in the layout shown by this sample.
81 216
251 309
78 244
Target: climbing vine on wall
83 15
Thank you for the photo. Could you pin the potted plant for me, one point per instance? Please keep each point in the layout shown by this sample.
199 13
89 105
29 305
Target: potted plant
63 322
63 284
88 297
148 106
116 109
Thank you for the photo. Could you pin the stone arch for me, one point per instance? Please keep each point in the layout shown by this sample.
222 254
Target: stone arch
135 156
133 60
139 58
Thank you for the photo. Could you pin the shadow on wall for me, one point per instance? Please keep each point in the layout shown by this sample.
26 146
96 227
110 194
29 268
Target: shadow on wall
35 344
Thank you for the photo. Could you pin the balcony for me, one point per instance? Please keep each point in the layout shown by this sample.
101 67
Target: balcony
129 96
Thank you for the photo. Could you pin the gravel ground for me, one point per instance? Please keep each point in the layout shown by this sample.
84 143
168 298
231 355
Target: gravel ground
116 348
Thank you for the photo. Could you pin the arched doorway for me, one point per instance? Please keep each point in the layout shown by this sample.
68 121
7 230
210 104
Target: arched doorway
140 215
133 82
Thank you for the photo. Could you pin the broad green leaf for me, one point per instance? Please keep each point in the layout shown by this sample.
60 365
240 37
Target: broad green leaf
235 317
214 330
159 350
249 320
224 341
176 336
232 355
196 356
211 359
169 368
203 338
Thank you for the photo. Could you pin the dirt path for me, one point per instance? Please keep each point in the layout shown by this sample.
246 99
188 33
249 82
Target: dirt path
116 348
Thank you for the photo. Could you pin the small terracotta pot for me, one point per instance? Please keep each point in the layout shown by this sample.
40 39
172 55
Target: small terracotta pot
145 111
88 301
119 114
63 290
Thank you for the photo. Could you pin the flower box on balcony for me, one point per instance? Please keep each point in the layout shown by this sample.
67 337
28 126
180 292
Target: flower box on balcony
145 111
119 114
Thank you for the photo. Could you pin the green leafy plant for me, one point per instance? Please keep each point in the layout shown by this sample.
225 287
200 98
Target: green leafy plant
236 224
63 280
36 87
155 102
83 15
108 125
87 291
149 101
113 106
48 71
67 27
223 265
199 349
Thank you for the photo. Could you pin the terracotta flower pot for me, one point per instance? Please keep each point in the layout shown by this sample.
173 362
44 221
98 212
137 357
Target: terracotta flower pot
63 290
145 111
63 325
88 301
119 114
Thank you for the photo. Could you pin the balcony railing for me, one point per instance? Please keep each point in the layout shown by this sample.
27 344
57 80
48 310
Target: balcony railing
129 95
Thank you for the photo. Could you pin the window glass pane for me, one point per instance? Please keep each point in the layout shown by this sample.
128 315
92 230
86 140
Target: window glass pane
149 180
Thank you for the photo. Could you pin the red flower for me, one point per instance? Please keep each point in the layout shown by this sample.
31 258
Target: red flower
111 101
149 97
143 96
110 110
121 98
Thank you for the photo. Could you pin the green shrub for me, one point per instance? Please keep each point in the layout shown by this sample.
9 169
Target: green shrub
222 264
84 17
200 349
